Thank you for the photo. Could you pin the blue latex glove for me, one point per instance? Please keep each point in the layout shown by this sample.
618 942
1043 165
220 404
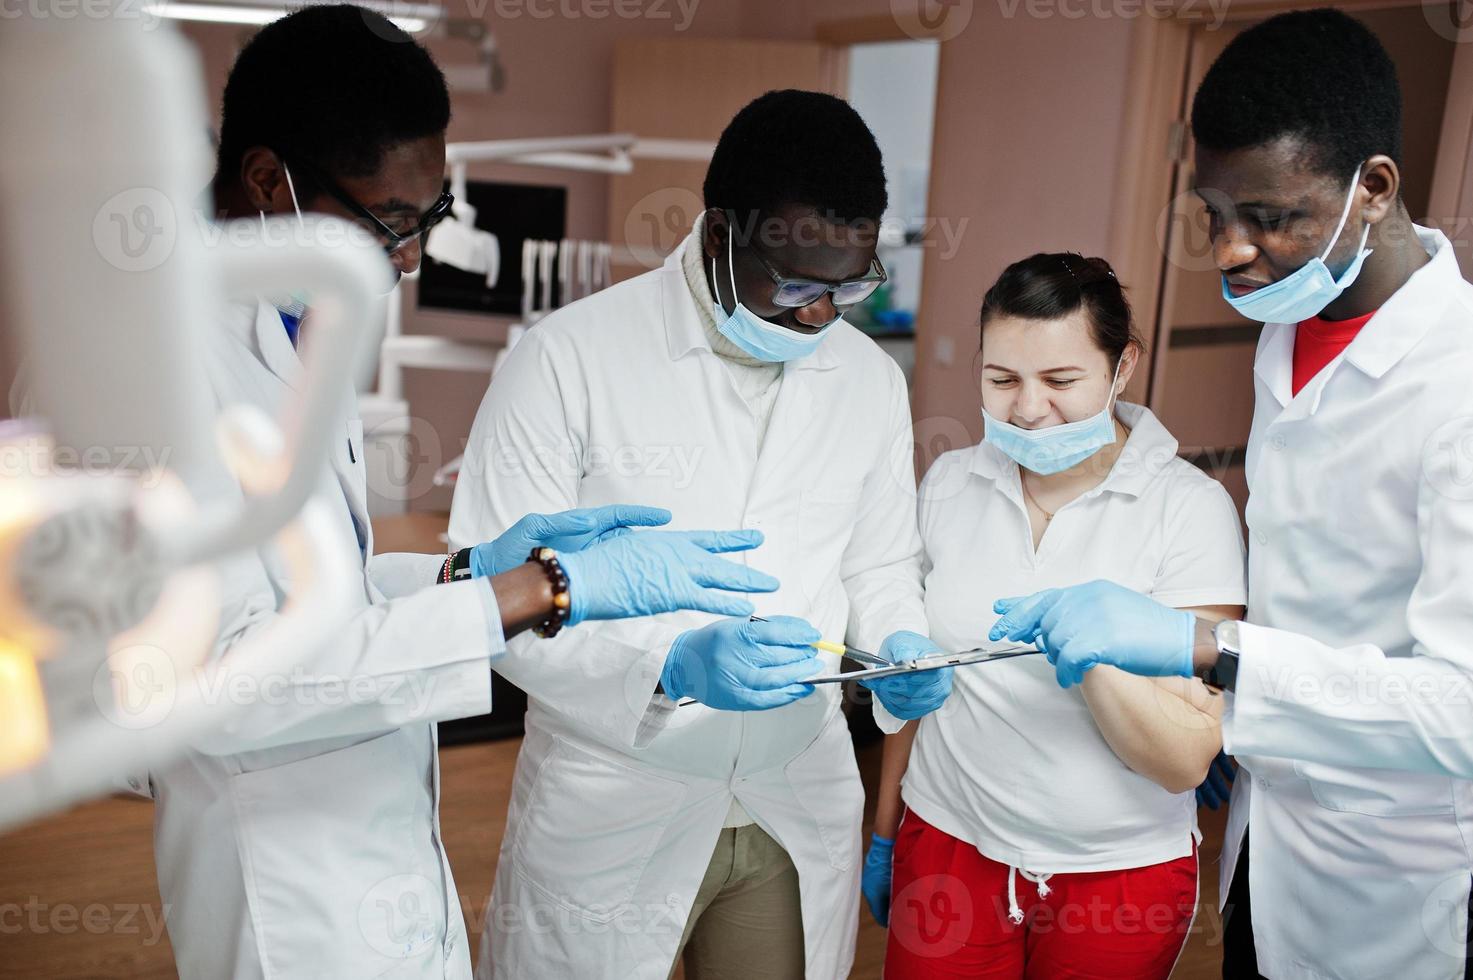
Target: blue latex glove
662 571
564 532
741 665
879 868
908 696
1100 622
1217 788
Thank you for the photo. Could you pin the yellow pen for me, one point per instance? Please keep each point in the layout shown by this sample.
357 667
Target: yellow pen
841 650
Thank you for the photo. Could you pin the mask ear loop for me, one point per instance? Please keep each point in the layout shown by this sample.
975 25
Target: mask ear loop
292 190
1114 396
1349 200
730 267
730 271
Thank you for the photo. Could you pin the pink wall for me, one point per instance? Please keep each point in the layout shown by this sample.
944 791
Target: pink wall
1024 159
1027 138
1027 147
799 20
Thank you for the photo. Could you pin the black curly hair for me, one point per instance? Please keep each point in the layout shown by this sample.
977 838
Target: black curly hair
1318 75
794 147
335 84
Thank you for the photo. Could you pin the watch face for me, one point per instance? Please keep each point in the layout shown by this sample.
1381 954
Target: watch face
1226 635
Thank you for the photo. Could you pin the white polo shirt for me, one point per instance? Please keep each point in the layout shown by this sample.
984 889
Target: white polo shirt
1012 763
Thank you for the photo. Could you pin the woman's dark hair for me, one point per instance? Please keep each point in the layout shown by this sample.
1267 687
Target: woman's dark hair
1051 285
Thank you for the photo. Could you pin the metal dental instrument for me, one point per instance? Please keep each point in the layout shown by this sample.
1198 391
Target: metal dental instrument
933 662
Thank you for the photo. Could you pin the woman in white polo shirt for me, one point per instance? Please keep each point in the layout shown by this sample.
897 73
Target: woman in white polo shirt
1051 832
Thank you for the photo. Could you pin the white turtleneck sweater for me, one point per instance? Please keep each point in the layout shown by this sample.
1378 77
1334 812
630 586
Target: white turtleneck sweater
756 381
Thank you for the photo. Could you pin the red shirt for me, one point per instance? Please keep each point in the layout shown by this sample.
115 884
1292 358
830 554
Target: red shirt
1317 342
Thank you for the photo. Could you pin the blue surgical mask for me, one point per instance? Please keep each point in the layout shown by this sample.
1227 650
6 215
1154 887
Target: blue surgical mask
1058 447
1306 291
759 338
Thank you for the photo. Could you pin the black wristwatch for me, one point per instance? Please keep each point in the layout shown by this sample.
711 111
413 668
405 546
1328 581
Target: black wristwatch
1224 673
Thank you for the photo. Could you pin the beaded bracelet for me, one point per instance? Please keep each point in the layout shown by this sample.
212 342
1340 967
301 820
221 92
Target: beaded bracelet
457 566
561 601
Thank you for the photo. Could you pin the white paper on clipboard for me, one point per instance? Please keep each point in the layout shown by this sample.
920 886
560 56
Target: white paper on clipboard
935 662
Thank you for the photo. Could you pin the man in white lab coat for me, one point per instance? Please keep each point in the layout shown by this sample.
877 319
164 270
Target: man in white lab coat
724 387
1348 852
304 842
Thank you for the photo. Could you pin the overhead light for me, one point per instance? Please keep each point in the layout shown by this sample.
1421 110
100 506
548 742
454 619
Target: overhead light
408 17
24 731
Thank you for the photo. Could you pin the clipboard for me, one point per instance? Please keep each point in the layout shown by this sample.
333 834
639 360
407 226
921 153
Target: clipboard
935 662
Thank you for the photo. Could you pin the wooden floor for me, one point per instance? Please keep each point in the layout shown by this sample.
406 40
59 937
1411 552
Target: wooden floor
78 898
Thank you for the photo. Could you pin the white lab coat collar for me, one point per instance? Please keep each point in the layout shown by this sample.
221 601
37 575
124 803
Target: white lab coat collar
274 346
259 326
1411 311
683 330
1148 451
1273 364
1386 338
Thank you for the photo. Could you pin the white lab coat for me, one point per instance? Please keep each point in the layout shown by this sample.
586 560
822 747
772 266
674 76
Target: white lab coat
1360 523
619 797
305 842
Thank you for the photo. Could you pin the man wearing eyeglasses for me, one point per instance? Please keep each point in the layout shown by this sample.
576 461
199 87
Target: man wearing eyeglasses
305 841
395 199
657 807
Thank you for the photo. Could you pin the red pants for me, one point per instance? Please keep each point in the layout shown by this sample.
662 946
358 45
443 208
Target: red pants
949 916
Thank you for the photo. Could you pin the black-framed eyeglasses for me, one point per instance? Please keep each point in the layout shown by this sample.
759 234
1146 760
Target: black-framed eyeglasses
393 240
793 292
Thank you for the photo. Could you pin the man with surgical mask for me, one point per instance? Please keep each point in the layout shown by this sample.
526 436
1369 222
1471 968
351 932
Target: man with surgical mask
1348 685
664 799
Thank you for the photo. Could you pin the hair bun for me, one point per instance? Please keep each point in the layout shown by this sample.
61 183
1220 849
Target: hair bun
1050 285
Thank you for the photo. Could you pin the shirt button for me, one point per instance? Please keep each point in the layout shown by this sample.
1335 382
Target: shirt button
1260 537
1263 783
1279 442
133 782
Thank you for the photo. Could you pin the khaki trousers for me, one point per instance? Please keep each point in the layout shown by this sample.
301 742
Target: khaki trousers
747 920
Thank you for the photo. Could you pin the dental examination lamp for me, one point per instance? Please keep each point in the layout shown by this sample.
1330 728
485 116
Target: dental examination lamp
457 241
125 486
